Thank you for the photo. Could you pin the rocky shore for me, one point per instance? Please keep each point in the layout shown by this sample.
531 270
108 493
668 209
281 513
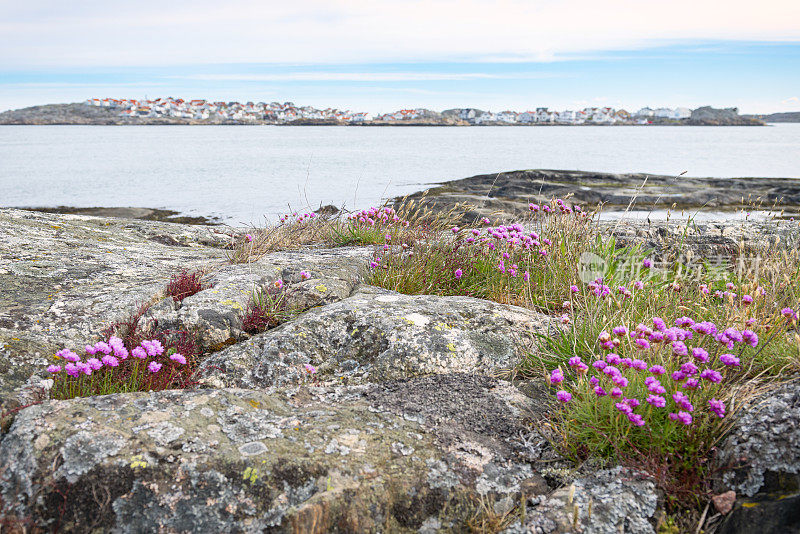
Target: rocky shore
507 194
416 423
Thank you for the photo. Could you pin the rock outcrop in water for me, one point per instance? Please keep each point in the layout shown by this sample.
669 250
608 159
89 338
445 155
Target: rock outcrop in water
411 424
507 194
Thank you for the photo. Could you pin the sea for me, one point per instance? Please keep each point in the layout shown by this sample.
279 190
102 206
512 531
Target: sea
244 174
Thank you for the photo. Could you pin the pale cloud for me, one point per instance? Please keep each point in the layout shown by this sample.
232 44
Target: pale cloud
364 77
150 32
791 100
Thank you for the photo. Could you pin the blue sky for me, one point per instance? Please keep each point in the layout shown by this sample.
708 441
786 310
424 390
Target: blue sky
380 56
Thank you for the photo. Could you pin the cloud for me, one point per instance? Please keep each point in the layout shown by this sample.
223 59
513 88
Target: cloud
151 32
363 77
791 100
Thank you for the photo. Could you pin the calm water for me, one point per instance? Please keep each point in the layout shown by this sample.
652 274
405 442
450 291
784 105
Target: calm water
244 173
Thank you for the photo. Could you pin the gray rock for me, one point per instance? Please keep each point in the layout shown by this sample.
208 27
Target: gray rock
216 313
607 502
308 459
379 335
65 277
760 460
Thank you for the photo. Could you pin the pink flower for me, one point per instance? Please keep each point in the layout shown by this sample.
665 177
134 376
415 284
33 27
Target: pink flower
683 417
682 401
249 237
699 354
153 347
178 358
72 369
711 375
458 273
279 283
53 369
657 370
616 392
747 299
600 392
563 396
69 356
556 376
110 361
94 364
638 285
139 352
717 406
305 275
154 367
636 419
310 369
456 229
656 400
642 344
526 276
647 263
729 359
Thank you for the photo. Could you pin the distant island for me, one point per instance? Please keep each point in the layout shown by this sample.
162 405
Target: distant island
110 111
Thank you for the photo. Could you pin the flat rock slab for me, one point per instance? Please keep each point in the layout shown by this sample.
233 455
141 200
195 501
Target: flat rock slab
64 277
378 335
307 459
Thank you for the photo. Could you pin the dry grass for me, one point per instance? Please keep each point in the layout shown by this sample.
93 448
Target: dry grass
308 229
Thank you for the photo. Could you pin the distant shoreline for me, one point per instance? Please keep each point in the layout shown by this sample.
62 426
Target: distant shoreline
76 114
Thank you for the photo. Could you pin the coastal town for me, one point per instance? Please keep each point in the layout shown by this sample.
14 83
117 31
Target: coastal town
288 112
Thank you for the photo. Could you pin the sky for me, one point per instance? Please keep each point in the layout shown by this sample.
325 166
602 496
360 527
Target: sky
380 55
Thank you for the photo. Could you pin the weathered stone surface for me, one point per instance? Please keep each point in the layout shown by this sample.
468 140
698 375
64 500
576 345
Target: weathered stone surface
607 502
763 448
379 335
216 313
64 277
308 459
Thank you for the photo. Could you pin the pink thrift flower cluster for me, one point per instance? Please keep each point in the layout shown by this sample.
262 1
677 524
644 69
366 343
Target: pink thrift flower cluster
673 371
378 217
504 246
297 217
108 355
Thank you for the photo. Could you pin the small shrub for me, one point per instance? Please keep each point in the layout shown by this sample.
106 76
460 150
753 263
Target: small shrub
185 284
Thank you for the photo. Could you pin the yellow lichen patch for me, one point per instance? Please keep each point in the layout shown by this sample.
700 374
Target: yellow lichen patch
232 303
451 347
251 474
254 403
749 504
138 461
321 288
